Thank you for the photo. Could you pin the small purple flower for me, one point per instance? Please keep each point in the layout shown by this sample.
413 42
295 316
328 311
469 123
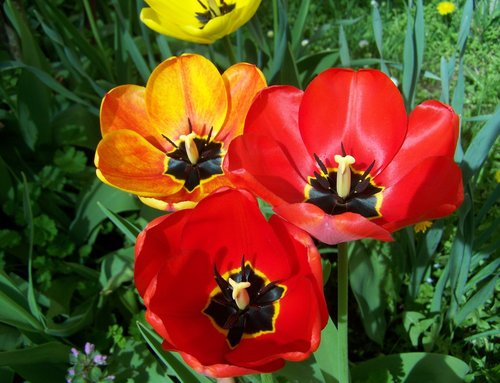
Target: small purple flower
71 372
100 360
89 348
74 351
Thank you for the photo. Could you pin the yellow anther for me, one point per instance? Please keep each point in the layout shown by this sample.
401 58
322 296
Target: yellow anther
212 4
191 148
344 174
240 294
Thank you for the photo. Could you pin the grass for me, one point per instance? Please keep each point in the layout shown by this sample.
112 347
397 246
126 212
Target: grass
57 60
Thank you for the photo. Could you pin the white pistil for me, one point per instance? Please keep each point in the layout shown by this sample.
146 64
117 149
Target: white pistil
212 4
191 148
240 294
344 174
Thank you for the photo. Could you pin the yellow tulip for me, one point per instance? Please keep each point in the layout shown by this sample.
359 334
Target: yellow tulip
199 21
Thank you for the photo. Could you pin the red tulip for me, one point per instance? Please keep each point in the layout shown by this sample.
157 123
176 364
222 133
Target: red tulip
343 161
233 293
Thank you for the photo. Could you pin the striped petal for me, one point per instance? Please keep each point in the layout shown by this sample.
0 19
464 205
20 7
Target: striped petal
187 90
127 161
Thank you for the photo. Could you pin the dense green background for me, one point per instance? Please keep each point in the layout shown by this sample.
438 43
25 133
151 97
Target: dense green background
66 240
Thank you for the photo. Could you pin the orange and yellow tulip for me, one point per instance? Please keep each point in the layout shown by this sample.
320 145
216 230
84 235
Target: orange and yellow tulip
166 142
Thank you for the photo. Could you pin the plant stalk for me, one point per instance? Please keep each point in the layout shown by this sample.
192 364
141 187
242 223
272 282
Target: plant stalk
342 290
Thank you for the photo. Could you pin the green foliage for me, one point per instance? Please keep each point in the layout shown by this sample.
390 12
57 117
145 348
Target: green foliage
426 305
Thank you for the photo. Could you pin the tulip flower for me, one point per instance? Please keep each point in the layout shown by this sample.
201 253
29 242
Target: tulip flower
234 294
198 21
165 142
343 161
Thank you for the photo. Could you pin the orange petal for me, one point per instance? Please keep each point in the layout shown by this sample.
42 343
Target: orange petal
124 107
243 82
186 88
126 160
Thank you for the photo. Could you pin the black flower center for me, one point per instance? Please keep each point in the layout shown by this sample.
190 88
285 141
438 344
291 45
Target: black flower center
212 10
364 197
208 164
258 317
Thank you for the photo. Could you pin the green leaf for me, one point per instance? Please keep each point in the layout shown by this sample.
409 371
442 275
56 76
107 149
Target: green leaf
70 160
477 300
116 269
426 252
366 275
174 363
345 58
33 304
129 229
280 40
89 214
48 81
478 150
411 367
14 307
51 352
325 354
299 25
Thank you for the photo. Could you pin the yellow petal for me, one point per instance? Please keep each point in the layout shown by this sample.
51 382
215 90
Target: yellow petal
180 20
126 160
183 89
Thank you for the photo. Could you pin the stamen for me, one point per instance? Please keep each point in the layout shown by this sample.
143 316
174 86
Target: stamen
171 142
212 4
344 174
191 148
240 294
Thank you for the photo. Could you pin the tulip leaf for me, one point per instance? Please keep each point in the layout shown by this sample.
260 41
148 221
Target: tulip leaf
174 363
35 310
298 26
89 214
410 367
47 352
325 355
345 57
129 229
478 150
477 300
366 275
424 256
14 307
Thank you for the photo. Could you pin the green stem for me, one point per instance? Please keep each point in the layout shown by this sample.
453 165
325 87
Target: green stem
342 282
229 49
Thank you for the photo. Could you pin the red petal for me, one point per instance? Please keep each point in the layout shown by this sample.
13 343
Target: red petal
182 293
294 238
432 131
363 110
431 190
331 229
296 320
271 174
240 230
227 370
153 243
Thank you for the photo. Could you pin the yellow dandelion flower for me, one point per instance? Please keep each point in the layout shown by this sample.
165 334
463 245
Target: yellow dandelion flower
422 227
445 8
